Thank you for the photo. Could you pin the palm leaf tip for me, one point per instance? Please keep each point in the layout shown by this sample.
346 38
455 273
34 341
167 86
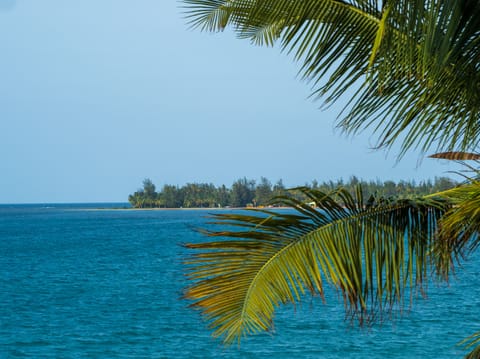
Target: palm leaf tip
456 156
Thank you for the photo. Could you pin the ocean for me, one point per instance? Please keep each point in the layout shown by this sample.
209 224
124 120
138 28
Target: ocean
76 282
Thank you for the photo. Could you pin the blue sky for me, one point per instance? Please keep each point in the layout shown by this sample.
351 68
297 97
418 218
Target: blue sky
95 96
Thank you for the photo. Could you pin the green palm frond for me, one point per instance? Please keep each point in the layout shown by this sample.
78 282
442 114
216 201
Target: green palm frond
209 15
372 252
413 66
472 343
459 229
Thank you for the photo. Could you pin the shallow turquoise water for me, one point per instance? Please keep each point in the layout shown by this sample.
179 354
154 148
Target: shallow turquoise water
79 283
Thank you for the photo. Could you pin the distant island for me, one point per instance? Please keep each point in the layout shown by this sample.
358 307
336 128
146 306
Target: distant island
248 193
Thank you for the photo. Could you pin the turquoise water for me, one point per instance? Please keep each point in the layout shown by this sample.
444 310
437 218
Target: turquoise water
81 283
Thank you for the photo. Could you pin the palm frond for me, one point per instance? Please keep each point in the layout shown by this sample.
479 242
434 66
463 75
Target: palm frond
209 15
371 251
413 66
420 85
456 156
472 343
459 229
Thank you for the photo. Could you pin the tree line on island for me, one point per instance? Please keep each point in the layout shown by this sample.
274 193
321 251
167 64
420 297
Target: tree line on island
248 193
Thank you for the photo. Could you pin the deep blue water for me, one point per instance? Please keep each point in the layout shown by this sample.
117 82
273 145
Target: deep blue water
78 283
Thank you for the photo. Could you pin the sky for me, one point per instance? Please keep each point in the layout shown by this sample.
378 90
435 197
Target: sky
96 96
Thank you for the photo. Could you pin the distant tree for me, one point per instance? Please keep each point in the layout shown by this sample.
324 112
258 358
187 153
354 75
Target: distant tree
442 184
136 199
223 196
149 193
191 195
149 188
263 192
146 197
199 195
243 192
278 189
389 189
172 196
354 181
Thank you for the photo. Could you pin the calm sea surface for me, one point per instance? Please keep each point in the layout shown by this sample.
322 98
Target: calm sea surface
83 283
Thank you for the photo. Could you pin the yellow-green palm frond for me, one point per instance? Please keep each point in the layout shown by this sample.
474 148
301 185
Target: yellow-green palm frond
371 251
413 65
472 343
459 229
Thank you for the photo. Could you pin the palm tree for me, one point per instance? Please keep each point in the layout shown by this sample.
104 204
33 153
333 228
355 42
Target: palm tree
413 67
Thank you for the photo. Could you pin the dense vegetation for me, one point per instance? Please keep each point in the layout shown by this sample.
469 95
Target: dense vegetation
248 193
